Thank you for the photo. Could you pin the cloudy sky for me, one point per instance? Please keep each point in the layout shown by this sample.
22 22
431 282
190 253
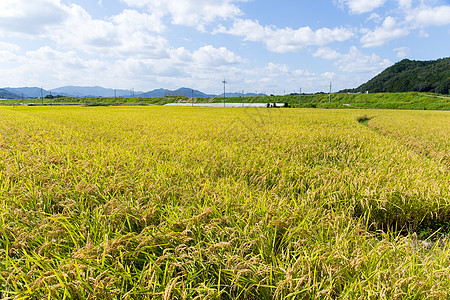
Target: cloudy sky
257 45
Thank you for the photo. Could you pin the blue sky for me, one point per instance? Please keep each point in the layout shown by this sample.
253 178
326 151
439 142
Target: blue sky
257 45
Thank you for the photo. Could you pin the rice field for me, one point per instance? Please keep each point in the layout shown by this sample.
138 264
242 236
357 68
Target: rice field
223 203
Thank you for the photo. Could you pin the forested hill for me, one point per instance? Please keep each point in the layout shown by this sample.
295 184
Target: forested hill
4 94
410 75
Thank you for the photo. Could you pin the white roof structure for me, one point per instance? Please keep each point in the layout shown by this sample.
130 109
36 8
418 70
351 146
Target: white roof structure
226 104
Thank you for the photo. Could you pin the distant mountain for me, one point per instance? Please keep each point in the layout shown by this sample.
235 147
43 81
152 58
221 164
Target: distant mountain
28 92
97 91
196 93
154 93
409 75
94 91
187 92
5 94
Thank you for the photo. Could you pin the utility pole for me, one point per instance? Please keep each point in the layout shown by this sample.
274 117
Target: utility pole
42 97
192 97
115 98
300 99
242 98
224 83
329 98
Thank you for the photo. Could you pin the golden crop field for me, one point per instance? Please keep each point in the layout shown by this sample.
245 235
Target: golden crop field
218 203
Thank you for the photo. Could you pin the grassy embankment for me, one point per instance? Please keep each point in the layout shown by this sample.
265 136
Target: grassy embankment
178 203
412 100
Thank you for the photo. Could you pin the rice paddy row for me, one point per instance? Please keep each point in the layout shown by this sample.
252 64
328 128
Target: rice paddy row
183 203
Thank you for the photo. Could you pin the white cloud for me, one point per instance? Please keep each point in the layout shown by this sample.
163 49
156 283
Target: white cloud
79 29
133 47
375 18
195 13
362 6
63 67
327 53
29 17
354 61
72 27
411 18
129 33
210 56
9 55
46 65
277 69
402 52
405 4
286 39
63 63
131 20
269 78
199 68
424 34
9 46
388 31
429 16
